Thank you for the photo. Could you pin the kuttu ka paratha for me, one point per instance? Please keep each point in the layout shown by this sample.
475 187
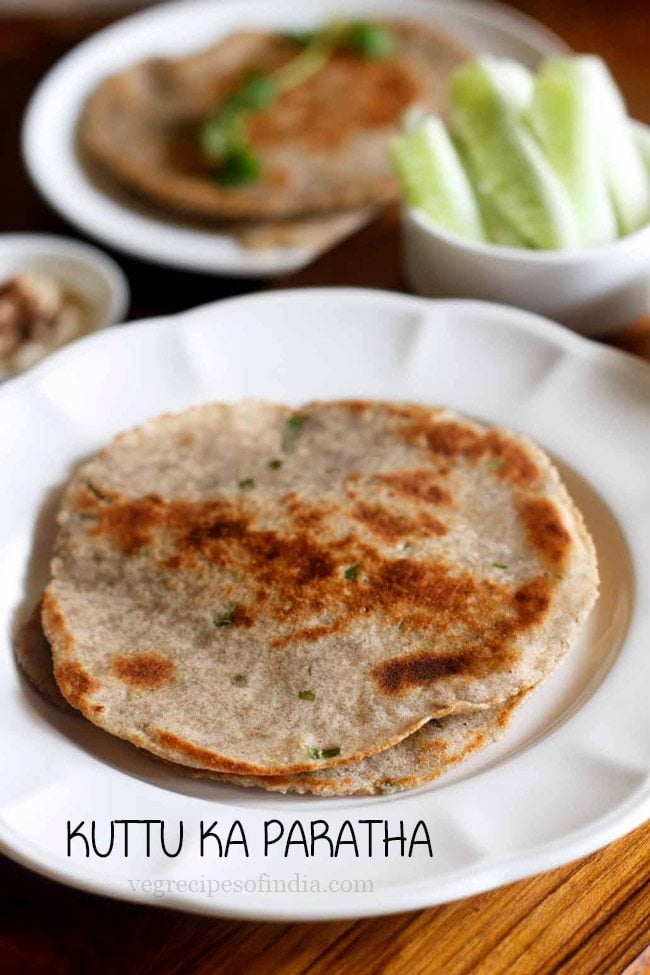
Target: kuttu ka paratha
255 590
322 145
425 755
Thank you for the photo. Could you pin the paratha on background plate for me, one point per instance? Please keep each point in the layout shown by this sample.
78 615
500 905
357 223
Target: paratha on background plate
425 755
251 589
322 145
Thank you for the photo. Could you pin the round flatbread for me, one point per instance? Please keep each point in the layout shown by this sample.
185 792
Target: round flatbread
425 755
252 589
323 145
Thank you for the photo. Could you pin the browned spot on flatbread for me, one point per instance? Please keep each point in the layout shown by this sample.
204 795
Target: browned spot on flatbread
401 674
492 649
546 531
450 439
54 624
131 524
296 575
143 670
75 682
376 94
420 485
531 602
512 462
392 526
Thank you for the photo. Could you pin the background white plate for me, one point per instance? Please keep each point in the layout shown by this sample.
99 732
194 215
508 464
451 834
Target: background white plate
175 29
572 773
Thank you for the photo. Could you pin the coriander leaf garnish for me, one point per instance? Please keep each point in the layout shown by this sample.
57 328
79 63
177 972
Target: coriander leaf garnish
400 625
246 483
292 428
301 37
144 551
98 494
240 680
258 90
496 463
499 565
351 572
227 618
306 695
296 421
309 670
314 752
275 464
371 40
389 786
240 166
224 137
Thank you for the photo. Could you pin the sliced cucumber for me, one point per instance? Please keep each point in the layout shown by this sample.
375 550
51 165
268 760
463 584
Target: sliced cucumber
516 83
641 136
495 227
511 170
433 178
565 116
624 167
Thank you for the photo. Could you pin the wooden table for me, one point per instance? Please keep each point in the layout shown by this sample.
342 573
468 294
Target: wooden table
592 916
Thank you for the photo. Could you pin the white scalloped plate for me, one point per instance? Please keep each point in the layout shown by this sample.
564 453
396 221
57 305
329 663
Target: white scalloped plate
174 29
571 774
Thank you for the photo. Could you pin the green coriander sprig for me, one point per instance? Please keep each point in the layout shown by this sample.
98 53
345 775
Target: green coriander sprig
224 137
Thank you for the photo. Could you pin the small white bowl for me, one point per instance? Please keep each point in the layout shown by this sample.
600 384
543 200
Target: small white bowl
81 268
593 290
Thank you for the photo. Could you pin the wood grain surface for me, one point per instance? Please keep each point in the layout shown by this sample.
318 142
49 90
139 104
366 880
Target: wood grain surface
591 917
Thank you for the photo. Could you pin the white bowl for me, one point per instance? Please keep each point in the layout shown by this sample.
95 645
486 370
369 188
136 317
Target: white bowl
593 290
84 269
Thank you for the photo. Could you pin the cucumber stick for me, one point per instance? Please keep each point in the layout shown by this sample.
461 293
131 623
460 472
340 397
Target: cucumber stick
625 171
496 229
433 178
510 168
566 117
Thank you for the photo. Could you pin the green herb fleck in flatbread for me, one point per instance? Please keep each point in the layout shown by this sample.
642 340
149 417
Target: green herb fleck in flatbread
313 752
306 695
227 618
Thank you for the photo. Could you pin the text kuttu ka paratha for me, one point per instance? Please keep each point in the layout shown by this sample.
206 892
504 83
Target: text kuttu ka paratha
255 590
322 146
428 753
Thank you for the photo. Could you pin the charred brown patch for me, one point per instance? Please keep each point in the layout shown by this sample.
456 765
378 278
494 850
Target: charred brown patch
377 92
297 575
512 462
392 527
420 485
532 602
546 531
451 439
75 682
143 670
401 674
130 525
54 624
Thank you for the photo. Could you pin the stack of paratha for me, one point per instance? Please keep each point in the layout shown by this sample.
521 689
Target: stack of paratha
323 145
342 599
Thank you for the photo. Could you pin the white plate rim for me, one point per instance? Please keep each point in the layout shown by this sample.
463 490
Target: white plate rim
545 856
161 242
